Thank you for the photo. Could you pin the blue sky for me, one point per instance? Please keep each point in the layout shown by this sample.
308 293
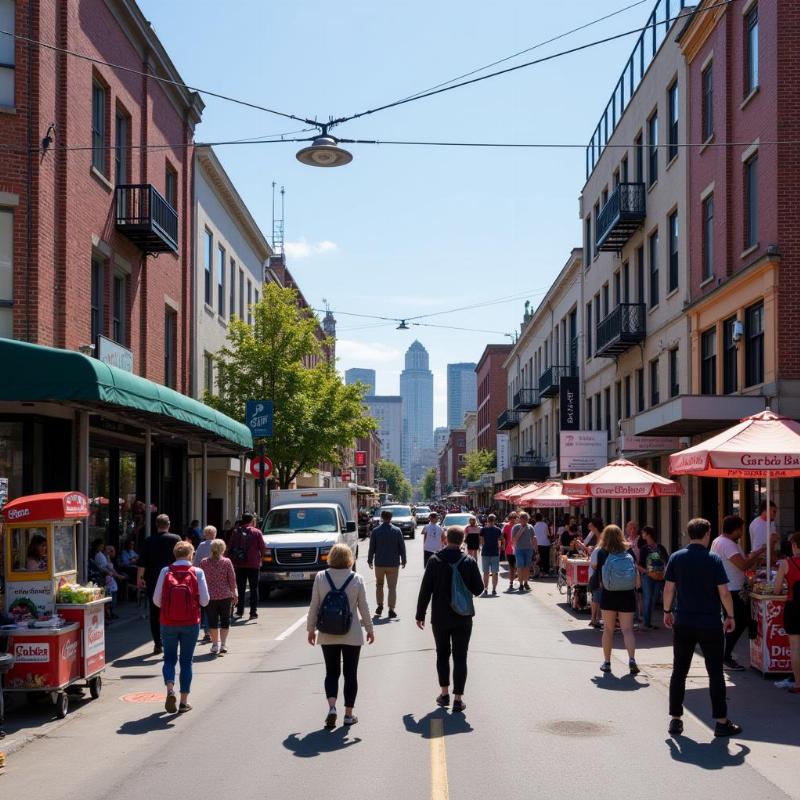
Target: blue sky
404 230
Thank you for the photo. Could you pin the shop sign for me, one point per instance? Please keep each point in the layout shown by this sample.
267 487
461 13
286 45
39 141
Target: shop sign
583 451
770 651
502 451
569 407
646 443
31 652
114 354
30 597
258 417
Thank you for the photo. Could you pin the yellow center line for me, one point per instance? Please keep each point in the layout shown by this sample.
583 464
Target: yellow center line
439 789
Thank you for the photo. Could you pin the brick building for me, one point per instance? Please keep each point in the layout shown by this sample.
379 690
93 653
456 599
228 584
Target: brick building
451 459
491 378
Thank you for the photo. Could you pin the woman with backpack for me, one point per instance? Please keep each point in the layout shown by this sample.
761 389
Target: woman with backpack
619 580
789 571
338 599
180 592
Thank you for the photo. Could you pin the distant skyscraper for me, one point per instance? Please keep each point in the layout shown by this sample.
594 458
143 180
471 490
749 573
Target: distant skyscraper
416 389
462 393
387 411
366 376
329 327
440 439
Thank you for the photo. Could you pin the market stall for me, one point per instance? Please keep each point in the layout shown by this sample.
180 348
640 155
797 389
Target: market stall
574 578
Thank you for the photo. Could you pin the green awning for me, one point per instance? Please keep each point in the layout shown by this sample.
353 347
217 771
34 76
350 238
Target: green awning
33 373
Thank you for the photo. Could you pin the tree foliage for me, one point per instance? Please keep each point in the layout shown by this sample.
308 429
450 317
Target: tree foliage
429 484
315 415
478 463
396 481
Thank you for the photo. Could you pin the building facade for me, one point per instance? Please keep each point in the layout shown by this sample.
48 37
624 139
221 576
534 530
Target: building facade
451 460
416 389
359 375
371 447
491 383
470 431
462 392
387 411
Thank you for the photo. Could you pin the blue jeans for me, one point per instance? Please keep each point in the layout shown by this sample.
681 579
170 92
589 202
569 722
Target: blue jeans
173 638
650 590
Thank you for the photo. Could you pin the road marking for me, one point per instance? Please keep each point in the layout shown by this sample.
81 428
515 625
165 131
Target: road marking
439 789
290 630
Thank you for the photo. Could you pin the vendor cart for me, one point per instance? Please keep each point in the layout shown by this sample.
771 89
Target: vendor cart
770 652
574 578
54 645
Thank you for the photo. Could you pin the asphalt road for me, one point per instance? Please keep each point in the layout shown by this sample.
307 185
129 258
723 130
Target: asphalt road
540 719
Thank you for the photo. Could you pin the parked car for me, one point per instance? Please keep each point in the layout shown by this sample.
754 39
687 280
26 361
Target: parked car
402 517
423 515
456 519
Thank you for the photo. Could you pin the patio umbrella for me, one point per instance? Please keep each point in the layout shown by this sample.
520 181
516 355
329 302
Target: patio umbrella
513 495
456 496
550 494
504 494
765 445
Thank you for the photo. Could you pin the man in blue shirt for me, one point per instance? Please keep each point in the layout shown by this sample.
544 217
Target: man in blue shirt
491 537
695 591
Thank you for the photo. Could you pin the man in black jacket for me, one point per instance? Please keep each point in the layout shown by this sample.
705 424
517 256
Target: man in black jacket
451 631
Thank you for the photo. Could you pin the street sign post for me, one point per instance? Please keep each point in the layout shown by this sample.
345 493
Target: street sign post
258 417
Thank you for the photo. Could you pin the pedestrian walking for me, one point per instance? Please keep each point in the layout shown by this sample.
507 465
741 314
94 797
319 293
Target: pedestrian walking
157 553
387 551
728 547
180 592
202 552
619 580
541 532
491 541
222 592
433 539
522 536
695 592
450 581
338 599
246 551
472 538
789 571
652 562
511 521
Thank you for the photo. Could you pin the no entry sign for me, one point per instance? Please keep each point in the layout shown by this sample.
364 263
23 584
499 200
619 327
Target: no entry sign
260 467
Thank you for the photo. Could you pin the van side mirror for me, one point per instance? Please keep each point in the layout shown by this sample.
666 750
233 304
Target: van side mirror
351 527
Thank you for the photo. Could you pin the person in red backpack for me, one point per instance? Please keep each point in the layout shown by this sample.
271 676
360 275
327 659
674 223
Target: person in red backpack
180 592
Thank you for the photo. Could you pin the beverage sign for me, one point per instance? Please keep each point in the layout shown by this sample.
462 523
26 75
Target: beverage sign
258 417
770 651
114 354
583 451
31 652
570 417
361 458
642 443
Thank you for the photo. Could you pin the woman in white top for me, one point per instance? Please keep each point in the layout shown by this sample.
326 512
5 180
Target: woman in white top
341 652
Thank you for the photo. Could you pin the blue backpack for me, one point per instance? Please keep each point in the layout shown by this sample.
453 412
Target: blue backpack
335 616
619 572
460 595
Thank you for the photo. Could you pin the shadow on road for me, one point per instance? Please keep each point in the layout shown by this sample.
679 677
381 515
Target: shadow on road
707 755
591 636
614 683
451 723
318 742
158 721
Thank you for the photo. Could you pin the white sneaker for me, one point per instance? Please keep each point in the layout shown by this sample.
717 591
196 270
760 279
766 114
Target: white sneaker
786 683
214 649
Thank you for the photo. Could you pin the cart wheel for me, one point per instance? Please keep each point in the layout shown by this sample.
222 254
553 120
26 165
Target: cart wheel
95 687
62 705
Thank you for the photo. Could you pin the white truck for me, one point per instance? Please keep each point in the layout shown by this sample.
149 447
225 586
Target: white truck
300 529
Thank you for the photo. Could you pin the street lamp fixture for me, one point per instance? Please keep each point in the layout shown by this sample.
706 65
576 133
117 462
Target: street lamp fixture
402 326
324 151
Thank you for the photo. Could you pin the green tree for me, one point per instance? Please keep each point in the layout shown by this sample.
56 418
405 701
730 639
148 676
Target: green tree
477 463
396 481
429 484
315 414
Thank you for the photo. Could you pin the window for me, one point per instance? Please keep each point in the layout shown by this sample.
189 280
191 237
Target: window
615 179
588 331
221 266
640 389
618 399
730 365
589 413
122 143
605 300
672 283
626 283
707 100
624 169
640 275
96 296
708 362
208 373
598 413
617 284
99 127
232 290
255 296
627 396
594 241
652 247
7 53
708 237
674 380
751 202
754 345
587 250
597 317
751 51
119 306
655 398
6 271
607 409
603 197
673 102
241 294
170 348
638 148
171 186
209 265
249 303
652 149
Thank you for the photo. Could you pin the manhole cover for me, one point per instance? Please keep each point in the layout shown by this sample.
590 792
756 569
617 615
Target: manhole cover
143 697
576 727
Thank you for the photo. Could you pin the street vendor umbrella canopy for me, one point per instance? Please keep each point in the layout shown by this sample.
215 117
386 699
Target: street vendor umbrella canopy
513 495
504 494
456 495
620 480
550 494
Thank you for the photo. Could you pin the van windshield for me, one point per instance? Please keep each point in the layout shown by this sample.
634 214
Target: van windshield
297 520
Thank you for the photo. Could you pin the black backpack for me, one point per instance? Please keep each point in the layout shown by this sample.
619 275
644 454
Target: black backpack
335 616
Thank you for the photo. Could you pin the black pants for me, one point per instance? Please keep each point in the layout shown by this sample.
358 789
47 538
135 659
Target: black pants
712 646
155 618
338 658
544 559
219 613
244 576
455 641
428 555
741 616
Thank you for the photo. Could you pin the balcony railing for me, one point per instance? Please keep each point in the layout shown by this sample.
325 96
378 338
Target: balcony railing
507 420
526 399
622 214
550 382
146 218
621 329
530 461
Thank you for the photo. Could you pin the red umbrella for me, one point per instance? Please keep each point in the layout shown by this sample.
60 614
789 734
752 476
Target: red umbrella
504 494
622 479
550 494
514 495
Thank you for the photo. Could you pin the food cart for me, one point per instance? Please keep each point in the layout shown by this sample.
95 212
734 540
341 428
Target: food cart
770 652
575 579
54 644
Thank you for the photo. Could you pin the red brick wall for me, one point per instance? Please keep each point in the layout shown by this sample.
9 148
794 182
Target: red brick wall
491 393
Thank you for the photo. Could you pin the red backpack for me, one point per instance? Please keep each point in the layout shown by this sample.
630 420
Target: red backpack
180 597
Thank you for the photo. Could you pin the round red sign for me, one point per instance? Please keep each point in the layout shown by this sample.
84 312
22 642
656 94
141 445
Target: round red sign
260 467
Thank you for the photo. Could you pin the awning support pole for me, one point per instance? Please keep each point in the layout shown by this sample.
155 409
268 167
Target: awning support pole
242 487
148 482
204 487
83 485
769 529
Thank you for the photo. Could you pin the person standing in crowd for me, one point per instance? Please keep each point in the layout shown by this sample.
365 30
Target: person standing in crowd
180 592
589 547
129 559
157 553
451 630
227 530
491 541
635 540
222 592
192 534
387 550
695 588
433 538
541 532
246 551
472 537
511 521
594 529
109 575
652 563
340 651
522 536
619 580
204 551
759 529
727 547
789 572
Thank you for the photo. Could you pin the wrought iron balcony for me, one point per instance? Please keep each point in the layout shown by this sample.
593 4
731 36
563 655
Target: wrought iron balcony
146 218
622 214
526 399
507 420
530 461
621 329
550 382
